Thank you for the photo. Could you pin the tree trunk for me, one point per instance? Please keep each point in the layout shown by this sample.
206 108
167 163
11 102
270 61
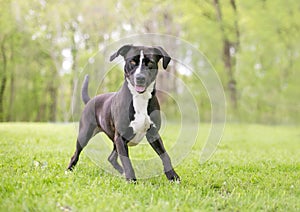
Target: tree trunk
228 46
3 79
53 102
53 87
41 113
10 115
76 97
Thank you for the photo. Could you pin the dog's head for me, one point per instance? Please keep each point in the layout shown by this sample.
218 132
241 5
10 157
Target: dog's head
141 64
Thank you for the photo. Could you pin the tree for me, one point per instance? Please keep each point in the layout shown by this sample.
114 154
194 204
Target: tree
253 45
230 47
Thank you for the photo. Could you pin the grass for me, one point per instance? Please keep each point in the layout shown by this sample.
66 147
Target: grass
256 168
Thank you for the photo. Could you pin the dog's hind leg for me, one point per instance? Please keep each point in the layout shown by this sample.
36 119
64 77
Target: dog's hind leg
85 134
75 157
113 160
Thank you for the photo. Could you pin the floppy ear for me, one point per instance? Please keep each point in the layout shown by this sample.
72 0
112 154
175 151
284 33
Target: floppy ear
163 54
122 51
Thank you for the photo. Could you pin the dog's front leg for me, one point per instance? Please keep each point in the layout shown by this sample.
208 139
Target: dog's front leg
156 143
122 150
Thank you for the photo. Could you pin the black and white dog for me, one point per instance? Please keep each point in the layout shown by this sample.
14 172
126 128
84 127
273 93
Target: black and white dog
130 114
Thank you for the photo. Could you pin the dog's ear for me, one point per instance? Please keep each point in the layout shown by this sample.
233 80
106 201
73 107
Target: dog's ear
163 54
122 51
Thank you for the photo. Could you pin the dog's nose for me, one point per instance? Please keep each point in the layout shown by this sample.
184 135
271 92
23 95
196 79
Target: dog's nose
140 79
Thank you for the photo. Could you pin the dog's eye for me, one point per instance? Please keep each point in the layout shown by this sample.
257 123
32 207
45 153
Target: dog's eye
150 64
132 62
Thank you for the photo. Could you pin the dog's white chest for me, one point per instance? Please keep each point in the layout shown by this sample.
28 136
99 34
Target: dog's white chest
140 125
142 121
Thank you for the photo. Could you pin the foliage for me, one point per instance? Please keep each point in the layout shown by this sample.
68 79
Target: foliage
256 168
45 46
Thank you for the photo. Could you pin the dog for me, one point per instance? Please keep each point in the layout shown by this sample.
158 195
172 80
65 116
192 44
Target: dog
130 114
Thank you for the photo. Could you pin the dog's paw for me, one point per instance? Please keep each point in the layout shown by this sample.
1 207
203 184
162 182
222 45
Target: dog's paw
131 181
175 180
173 176
69 169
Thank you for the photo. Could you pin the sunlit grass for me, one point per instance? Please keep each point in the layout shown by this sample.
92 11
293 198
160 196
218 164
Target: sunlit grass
255 168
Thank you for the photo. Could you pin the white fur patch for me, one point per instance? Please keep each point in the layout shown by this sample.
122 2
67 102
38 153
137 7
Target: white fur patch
138 70
142 121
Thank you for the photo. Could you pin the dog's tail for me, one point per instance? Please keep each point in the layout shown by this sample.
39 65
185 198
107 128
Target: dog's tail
84 90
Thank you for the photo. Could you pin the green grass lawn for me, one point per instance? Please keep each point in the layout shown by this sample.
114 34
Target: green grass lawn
256 168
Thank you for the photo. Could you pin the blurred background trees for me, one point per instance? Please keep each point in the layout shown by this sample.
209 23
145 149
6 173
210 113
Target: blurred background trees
253 45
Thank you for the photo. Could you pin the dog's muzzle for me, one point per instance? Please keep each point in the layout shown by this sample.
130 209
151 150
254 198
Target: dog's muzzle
140 83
